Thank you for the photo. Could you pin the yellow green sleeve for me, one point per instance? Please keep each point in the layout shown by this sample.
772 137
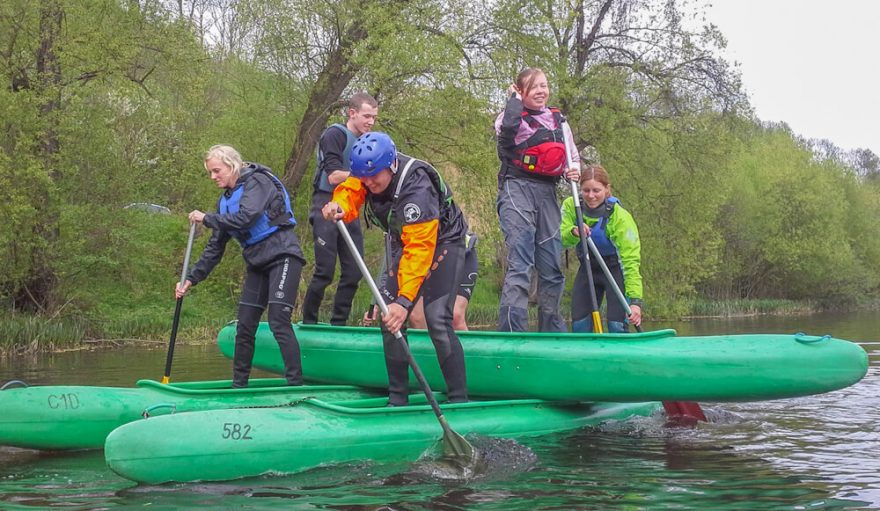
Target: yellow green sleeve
623 232
568 222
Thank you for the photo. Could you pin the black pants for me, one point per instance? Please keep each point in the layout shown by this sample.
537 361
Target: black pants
274 285
581 305
328 244
438 292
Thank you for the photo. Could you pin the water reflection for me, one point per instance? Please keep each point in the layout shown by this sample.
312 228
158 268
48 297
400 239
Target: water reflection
858 326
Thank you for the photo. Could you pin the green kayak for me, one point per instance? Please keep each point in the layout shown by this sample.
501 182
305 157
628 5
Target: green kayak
230 444
81 417
650 366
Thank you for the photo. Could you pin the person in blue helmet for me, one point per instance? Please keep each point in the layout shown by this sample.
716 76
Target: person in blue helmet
409 200
255 210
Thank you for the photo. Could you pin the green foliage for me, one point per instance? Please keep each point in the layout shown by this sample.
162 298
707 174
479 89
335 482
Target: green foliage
255 112
794 226
28 333
746 307
24 186
728 210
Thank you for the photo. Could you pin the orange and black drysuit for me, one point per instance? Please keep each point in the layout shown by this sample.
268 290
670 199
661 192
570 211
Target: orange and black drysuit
427 231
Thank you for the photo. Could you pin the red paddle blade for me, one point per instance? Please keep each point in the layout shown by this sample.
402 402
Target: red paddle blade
684 412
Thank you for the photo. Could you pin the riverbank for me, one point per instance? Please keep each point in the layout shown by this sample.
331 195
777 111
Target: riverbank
22 334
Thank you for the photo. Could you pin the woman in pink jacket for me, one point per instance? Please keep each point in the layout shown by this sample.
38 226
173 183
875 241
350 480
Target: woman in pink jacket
532 139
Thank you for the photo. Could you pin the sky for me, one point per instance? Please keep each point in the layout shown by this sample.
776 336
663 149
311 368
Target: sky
814 64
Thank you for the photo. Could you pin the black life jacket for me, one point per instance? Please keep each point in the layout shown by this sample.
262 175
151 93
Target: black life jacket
321 183
380 211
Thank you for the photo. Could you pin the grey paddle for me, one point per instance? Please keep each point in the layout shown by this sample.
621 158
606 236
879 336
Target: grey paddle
453 444
678 411
579 218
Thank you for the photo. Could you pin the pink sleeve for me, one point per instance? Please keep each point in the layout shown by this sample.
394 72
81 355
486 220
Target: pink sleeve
569 141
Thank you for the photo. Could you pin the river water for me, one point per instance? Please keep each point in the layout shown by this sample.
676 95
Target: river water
817 452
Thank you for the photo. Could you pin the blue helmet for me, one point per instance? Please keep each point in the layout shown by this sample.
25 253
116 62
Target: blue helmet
372 153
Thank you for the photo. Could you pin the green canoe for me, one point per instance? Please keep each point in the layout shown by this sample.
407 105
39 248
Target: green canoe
81 417
650 366
230 444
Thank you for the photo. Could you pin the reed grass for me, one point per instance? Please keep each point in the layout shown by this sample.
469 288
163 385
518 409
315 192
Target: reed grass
31 333
748 307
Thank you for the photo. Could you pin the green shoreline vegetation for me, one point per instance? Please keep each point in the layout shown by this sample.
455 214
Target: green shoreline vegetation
21 334
100 112
203 317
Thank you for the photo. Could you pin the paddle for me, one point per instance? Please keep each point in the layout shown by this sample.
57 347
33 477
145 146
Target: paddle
579 218
453 444
189 245
680 411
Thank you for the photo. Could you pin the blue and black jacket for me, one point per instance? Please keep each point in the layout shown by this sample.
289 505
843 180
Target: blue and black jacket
257 213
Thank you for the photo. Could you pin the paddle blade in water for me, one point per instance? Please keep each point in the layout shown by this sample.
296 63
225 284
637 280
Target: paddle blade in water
455 445
684 412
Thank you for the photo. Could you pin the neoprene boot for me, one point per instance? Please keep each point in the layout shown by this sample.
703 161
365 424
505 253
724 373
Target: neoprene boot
456 379
310 307
617 327
398 382
246 330
583 325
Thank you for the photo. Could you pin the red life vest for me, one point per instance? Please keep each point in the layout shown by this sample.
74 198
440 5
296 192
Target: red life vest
543 153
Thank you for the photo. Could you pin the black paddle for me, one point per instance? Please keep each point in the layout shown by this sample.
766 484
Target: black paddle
189 245
453 444
579 218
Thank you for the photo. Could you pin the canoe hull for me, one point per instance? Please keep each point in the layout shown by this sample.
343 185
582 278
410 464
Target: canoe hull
231 444
653 366
81 417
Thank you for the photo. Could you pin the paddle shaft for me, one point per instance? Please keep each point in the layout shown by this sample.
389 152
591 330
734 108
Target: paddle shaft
579 219
398 335
610 278
689 410
174 324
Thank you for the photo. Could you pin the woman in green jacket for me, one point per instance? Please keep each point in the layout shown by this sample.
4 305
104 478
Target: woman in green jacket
615 234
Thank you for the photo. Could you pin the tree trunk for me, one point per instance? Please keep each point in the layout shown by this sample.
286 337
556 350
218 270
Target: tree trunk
37 291
331 82
49 77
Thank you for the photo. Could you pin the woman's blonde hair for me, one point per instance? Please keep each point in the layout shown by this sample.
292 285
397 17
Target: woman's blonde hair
228 155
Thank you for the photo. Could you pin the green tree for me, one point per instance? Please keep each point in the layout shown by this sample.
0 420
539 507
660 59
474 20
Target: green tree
78 72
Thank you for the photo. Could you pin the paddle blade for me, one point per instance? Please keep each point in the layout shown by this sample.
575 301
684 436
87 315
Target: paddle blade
597 322
456 446
459 453
684 412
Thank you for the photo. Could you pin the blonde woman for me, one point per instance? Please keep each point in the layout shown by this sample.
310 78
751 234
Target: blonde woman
254 208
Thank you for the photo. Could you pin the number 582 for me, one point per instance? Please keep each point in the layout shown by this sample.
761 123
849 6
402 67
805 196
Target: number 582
236 431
